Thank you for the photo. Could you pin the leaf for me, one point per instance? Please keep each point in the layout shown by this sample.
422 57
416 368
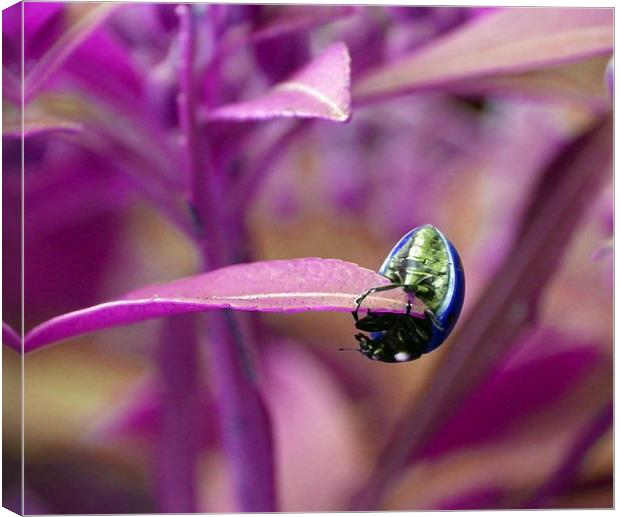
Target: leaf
480 498
303 284
283 20
319 90
579 82
11 53
507 41
88 17
530 387
11 338
609 78
571 467
37 126
287 19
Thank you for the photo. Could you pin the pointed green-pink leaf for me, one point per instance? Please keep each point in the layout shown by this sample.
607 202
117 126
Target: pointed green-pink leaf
508 41
320 90
304 284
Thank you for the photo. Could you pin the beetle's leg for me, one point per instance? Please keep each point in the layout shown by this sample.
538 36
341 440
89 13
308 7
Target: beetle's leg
431 316
362 297
408 308
356 316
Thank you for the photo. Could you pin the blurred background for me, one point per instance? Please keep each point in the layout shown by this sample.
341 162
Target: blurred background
106 212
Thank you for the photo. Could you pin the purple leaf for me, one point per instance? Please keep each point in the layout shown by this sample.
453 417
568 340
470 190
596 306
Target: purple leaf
609 78
38 126
571 466
304 284
89 17
11 52
139 417
483 498
280 57
509 397
319 90
283 20
578 82
280 35
288 19
507 41
101 50
11 338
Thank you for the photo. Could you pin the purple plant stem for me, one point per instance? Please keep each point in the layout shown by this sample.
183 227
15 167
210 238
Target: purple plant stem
212 77
567 472
244 420
187 97
506 308
175 467
245 424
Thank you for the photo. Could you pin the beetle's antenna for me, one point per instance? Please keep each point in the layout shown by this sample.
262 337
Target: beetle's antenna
349 349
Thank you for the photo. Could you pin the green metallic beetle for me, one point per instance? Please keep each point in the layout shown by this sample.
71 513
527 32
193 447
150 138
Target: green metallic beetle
425 264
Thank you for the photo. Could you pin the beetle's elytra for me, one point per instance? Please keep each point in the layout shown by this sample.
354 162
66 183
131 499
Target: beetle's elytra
426 264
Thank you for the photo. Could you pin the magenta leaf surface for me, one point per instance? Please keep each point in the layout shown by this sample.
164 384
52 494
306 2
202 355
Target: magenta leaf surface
304 284
503 42
530 387
87 18
290 19
11 338
284 21
319 90
38 126
576 82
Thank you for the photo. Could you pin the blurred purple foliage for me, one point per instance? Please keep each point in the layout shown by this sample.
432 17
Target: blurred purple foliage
171 151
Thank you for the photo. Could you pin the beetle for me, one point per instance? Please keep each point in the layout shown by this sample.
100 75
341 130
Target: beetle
424 263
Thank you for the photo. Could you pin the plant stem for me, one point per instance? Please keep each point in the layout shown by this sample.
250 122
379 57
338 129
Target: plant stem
175 466
179 434
187 97
244 421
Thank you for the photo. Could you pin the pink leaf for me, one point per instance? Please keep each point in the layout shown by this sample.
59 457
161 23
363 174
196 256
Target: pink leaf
35 126
87 18
303 284
577 82
292 18
319 90
507 41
